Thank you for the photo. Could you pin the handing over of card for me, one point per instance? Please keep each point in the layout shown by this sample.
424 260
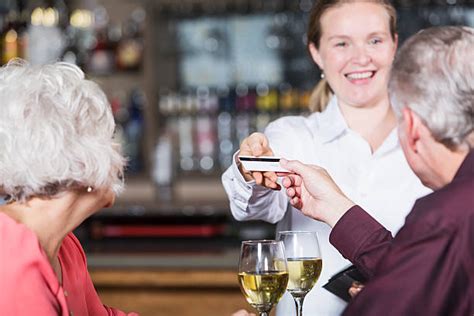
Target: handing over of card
262 163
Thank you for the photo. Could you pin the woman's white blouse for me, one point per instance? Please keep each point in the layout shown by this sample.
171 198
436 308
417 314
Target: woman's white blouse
381 182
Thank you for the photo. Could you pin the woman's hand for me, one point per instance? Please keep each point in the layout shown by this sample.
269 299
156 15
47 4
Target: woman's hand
243 312
257 145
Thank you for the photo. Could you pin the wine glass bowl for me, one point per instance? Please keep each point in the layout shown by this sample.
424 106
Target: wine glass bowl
304 273
263 273
304 263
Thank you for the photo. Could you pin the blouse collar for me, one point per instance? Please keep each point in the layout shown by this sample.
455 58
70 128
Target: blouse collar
333 125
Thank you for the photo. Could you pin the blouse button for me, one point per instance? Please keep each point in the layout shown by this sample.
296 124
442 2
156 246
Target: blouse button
66 293
71 314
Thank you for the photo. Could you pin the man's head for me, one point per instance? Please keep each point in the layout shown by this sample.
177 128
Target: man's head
432 92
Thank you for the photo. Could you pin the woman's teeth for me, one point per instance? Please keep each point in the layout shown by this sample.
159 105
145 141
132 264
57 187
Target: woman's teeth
360 75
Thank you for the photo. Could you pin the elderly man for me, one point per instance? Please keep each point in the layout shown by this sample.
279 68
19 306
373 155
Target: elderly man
428 268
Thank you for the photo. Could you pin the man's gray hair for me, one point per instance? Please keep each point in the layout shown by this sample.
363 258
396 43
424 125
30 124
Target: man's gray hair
433 74
56 132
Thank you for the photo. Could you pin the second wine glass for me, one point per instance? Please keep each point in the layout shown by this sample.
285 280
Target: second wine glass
304 263
263 273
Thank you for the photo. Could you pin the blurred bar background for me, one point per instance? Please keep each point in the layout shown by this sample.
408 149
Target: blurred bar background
187 81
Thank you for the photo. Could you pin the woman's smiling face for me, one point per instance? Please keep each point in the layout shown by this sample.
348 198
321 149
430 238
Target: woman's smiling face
356 51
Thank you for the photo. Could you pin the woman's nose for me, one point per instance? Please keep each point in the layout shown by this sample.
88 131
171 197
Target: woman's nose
361 55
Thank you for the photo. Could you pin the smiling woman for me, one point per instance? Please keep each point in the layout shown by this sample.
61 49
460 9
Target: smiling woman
355 55
354 138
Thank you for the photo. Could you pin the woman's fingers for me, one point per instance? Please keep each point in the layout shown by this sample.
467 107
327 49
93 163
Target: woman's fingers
257 144
266 179
258 176
271 176
271 184
270 180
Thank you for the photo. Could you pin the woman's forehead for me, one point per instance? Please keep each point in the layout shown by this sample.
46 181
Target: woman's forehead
355 19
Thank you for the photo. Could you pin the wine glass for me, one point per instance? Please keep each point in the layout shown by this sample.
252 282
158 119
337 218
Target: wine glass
263 273
304 263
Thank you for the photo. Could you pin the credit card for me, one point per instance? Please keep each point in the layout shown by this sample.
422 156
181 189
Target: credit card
262 163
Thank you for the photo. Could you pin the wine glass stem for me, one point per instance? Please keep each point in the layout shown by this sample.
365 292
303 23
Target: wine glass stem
299 305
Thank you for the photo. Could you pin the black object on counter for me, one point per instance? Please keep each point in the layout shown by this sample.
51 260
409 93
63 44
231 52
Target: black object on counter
340 283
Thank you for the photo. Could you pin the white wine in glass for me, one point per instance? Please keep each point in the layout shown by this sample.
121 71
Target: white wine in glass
304 263
263 273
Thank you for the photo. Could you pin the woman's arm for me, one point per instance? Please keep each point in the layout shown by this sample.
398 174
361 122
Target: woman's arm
250 201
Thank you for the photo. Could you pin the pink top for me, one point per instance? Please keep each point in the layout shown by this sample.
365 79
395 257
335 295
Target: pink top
29 285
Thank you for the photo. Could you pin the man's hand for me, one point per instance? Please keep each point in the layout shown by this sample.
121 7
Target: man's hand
257 145
355 289
312 190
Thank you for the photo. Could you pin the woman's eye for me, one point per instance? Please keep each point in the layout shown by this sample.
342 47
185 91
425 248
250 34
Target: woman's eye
375 41
341 44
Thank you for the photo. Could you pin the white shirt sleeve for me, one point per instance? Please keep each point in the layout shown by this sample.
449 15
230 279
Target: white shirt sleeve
249 201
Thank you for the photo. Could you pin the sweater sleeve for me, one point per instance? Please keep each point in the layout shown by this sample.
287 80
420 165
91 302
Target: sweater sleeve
361 239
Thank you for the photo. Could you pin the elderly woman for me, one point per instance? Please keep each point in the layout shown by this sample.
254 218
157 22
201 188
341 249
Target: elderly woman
58 166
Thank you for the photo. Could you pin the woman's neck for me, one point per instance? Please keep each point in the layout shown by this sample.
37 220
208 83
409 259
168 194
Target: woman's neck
50 219
374 123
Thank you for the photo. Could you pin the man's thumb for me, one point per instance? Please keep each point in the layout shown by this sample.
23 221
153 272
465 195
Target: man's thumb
294 166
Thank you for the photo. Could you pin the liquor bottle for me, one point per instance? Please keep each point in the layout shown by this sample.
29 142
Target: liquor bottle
46 39
263 104
121 115
169 107
165 102
163 169
3 27
187 106
13 37
245 100
130 46
134 131
205 129
102 56
225 126
304 99
288 98
71 51
80 38
245 104
273 103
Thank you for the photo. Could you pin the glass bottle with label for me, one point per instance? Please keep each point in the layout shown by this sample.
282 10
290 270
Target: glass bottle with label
130 46
225 126
13 37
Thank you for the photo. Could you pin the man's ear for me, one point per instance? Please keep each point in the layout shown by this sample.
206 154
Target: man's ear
411 126
316 56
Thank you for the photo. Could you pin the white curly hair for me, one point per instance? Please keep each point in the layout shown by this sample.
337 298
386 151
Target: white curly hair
56 132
